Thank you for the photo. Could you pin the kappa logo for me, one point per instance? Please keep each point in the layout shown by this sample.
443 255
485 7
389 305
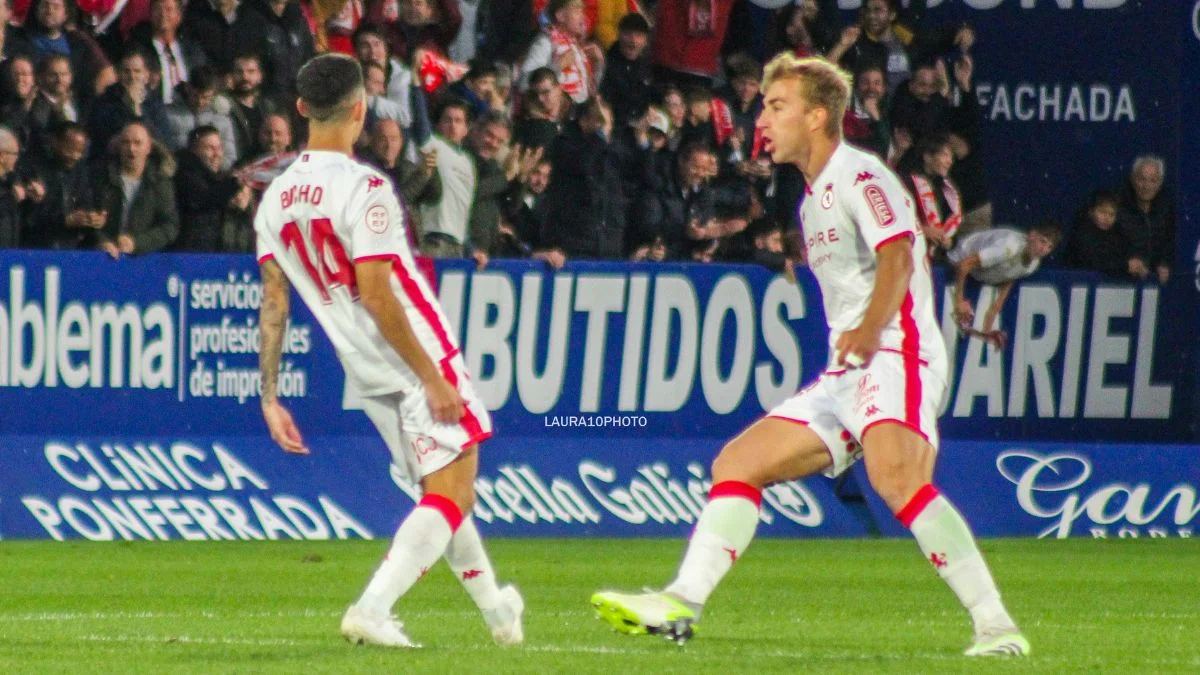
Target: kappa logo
880 207
732 554
827 197
873 410
374 182
471 574
863 176
938 560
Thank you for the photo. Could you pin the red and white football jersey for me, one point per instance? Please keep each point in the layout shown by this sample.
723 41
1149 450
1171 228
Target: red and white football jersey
319 217
854 207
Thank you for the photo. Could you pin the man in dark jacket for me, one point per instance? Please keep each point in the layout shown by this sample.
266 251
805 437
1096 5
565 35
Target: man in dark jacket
286 43
70 214
585 200
222 29
206 194
129 100
250 106
1096 242
415 184
1147 216
627 74
488 137
685 202
139 198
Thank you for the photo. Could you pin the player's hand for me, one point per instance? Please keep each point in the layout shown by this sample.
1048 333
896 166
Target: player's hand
964 313
283 428
445 403
855 348
996 338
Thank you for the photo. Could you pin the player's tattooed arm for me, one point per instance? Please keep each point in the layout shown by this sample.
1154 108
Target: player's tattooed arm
272 319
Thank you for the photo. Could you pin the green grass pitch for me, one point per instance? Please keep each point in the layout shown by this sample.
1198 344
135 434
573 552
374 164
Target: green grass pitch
789 606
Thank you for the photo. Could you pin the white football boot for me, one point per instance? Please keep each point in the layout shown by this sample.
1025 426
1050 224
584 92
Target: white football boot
362 628
505 620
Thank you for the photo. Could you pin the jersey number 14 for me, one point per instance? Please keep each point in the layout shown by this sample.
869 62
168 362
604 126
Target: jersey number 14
332 267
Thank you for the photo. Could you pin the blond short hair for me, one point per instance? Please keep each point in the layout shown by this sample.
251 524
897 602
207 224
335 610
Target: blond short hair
822 85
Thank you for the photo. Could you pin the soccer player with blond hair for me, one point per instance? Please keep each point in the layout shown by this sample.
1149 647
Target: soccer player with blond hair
879 394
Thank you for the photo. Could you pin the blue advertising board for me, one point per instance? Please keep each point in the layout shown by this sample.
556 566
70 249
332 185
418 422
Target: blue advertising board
600 377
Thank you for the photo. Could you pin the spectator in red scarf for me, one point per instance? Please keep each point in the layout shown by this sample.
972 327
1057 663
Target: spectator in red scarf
939 206
560 47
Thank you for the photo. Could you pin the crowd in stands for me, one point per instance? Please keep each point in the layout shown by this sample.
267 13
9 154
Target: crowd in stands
550 129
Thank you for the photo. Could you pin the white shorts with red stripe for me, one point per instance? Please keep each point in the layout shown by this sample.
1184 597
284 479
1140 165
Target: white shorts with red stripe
420 445
843 404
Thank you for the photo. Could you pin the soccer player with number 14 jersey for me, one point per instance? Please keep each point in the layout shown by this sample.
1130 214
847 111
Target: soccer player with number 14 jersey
333 229
878 397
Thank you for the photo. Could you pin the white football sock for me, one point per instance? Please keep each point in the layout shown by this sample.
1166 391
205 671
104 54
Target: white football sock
469 561
947 543
419 542
722 534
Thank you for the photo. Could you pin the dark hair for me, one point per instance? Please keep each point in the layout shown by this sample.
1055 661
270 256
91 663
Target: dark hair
541 75
134 52
491 118
1049 228
698 94
453 102
369 29
1102 196
43 66
34 25
481 68
248 56
690 150
204 78
200 132
329 84
633 22
742 65
932 143
66 128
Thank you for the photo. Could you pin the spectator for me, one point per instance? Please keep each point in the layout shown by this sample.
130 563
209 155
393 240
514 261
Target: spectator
807 27
560 47
13 191
585 201
415 27
606 29
870 105
1097 244
70 214
879 38
371 47
744 76
12 39
683 209
340 27
627 77
687 40
919 108
129 100
201 106
546 109
970 171
250 106
939 207
489 138
379 106
507 30
172 56
446 221
138 197
274 136
208 196
524 213
47 28
478 89
1147 216
111 22
285 43
677 111
418 185
22 92
222 29
998 257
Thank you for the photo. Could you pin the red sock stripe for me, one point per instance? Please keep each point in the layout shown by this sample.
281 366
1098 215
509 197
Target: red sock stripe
733 488
446 507
917 504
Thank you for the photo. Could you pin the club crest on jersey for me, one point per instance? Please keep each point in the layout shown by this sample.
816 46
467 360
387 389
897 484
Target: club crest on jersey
880 208
377 219
827 197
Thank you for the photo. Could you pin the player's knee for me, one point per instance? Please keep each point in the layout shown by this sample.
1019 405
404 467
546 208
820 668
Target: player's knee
731 465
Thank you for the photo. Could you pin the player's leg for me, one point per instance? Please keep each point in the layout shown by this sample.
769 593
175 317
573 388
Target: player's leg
899 463
772 449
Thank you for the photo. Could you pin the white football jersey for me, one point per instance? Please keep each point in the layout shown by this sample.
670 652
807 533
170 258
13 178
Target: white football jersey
853 208
319 217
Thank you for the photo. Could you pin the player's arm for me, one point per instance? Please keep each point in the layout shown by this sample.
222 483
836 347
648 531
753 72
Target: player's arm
272 321
962 307
894 270
375 290
997 305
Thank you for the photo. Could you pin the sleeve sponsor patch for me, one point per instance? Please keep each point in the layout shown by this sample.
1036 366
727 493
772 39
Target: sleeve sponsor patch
880 207
377 219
